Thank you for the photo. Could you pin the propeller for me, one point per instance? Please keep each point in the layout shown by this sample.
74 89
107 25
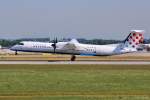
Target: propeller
54 44
49 40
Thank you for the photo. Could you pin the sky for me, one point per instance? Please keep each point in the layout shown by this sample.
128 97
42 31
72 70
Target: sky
105 19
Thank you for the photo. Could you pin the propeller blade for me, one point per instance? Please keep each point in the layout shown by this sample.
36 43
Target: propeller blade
54 44
56 40
49 40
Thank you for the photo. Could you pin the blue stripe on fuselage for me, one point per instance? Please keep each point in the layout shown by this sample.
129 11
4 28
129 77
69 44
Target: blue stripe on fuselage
88 54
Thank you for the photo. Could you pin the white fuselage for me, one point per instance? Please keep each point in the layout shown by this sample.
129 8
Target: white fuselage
81 49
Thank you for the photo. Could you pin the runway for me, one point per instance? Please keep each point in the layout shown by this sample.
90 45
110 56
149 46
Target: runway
78 62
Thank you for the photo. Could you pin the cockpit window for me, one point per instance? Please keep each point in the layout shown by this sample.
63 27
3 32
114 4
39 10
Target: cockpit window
20 44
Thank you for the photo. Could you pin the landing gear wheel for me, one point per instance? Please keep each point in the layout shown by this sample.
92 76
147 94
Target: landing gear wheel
16 52
73 58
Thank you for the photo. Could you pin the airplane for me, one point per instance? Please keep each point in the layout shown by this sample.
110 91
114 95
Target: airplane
73 47
144 47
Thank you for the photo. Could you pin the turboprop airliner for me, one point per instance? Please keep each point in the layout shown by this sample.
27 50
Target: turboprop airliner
73 47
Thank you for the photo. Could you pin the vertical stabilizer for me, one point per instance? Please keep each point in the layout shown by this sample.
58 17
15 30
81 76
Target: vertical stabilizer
134 39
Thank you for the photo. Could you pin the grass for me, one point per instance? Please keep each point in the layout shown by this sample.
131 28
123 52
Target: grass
75 82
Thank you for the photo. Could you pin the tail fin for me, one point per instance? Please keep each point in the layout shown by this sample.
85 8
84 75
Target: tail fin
134 39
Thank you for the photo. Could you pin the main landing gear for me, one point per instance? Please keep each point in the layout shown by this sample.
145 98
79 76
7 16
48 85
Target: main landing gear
73 58
16 53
